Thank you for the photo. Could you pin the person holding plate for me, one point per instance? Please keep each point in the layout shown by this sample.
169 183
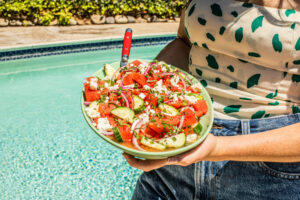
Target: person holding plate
247 55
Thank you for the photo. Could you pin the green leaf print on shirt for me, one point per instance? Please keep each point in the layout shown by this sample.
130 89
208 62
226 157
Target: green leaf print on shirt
204 83
284 74
218 80
257 22
201 21
296 62
276 103
253 54
222 30
290 11
245 98
258 114
234 85
253 80
243 61
211 61
272 95
277 45
216 10
293 26
232 108
191 11
296 78
230 68
295 109
247 5
287 65
234 13
204 46
186 32
199 72
210 36
297 46
267 115
239 34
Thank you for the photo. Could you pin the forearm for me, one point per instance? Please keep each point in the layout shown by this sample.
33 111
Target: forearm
176 53
278 145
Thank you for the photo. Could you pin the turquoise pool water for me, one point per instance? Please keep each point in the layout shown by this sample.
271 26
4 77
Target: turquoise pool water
47 149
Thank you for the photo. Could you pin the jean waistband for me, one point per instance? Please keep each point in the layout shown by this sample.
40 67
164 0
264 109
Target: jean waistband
258 125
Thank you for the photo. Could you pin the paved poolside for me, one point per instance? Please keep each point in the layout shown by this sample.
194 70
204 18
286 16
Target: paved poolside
28 36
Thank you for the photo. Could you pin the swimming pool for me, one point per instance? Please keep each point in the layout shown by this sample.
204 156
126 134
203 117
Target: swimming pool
47 149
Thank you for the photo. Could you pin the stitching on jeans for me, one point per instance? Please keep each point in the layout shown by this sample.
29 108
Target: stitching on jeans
278 174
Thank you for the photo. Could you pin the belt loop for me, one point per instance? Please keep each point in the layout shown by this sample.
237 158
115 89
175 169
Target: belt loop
245 126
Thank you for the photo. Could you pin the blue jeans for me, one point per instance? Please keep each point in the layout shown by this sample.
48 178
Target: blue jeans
226 179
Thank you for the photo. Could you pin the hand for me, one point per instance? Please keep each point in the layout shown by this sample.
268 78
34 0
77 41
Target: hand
205 151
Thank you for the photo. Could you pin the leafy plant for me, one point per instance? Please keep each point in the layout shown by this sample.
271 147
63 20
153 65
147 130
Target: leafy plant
64 10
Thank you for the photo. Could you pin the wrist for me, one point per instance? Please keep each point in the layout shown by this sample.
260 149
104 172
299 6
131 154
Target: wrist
217 153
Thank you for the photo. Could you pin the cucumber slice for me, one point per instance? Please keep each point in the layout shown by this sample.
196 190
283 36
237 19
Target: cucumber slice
94 105
109 70
139 104
198 96
197 128
175 141
117 134
165 108
124 113
150 143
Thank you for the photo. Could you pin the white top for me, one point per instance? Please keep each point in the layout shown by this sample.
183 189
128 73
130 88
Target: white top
247 56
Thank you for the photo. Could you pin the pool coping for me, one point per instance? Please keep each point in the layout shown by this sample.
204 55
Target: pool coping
58 48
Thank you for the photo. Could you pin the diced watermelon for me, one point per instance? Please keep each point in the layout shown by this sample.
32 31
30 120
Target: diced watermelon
200 107
91 95
152 100
127 79
139 78
125 133
176 104
136 63
190 117
111 120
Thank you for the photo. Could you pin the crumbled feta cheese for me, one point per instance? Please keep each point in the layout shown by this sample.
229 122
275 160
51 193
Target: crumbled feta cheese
146 87
156 71
159 87
191 99
144 117
142 95
115 87
94 84
164 69
191 138
174 80
174 96
106 84
142 67
196 87
92 113
104 124
106 99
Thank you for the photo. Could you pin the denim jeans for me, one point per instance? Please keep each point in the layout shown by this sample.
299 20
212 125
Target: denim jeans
226 179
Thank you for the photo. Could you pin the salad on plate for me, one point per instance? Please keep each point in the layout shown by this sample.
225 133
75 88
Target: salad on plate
147 106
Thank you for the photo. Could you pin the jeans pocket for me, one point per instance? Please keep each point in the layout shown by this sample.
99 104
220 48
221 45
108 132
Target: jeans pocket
281 170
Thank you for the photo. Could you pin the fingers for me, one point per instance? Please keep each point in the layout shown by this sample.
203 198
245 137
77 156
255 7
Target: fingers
145 165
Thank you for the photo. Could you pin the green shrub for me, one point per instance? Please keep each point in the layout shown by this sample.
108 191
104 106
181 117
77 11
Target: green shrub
47 10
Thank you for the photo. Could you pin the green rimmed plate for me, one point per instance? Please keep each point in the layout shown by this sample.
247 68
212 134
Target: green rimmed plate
206 121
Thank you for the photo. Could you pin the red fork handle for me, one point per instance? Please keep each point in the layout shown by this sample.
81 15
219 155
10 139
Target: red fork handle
126 46
127 42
